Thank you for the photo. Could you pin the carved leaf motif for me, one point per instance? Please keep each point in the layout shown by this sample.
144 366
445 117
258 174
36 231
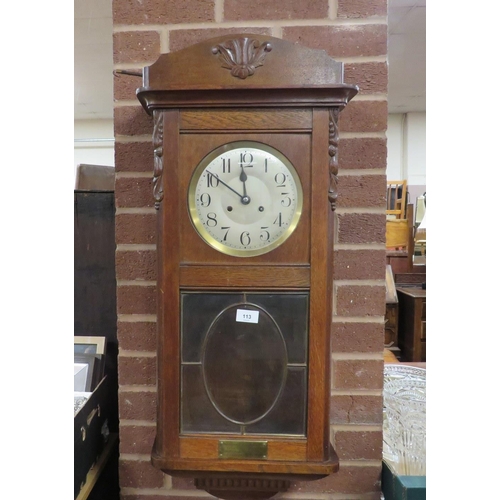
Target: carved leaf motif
158 158
242 55
333 145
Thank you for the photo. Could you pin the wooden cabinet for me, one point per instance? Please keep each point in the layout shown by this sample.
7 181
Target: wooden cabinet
412 323
95 315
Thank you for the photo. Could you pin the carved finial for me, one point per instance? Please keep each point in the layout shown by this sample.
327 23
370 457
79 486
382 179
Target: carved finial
242 55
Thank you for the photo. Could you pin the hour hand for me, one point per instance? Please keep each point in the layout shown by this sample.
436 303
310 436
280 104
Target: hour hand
243 178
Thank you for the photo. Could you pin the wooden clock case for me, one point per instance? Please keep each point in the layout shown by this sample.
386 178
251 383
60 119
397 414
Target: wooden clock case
252 88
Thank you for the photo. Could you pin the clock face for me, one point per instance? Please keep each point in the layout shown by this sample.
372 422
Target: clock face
245 198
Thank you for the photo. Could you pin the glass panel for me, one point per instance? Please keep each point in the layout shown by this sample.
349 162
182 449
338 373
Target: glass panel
244 364
244 378
198 312
197 412
291 312
289 416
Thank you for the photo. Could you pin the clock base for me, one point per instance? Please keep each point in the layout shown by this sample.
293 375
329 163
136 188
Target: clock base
247 480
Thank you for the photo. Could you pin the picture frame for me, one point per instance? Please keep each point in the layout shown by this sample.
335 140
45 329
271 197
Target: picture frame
90 344
91 350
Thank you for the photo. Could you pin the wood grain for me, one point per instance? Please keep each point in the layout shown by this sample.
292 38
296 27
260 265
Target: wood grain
226 120
247 277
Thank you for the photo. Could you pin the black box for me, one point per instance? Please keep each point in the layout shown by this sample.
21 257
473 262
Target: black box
91 432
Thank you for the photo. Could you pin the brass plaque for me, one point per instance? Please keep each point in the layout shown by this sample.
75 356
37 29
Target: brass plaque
243 449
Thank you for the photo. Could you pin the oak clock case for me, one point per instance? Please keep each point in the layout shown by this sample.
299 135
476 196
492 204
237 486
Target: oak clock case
245 186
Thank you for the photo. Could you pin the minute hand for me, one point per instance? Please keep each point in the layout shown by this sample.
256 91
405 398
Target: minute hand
222 182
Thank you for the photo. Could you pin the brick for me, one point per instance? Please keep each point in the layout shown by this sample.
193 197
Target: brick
349 479
362 153
358 445
359 264
357 337
136 265
134 157
353 300
132 120
180 39
124 86
137 439
135 192
136 370
136 46
247 10
355 9
364 116
371 78
137 336
137 405
366 40
358 374
367 191
139 474
183 483
135 229
136 299
162 12
361 228
355 410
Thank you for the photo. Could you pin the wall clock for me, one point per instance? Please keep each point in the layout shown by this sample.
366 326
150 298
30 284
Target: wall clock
245 184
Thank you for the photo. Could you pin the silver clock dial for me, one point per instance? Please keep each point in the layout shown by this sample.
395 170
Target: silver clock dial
245 198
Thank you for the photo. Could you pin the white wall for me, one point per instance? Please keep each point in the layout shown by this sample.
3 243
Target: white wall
94 143
395 147
406 151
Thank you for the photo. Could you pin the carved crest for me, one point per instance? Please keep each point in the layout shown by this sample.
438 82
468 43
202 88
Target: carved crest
242 55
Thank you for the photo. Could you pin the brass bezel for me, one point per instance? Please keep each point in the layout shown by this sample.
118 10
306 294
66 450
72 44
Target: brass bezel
195 220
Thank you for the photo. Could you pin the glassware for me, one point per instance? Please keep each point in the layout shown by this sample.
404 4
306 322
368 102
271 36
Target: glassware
404 426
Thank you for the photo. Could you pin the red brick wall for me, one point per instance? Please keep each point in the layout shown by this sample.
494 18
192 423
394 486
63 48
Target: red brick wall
352 31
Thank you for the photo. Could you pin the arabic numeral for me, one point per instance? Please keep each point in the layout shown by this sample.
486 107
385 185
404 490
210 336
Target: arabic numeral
226 165
286 201
212 180
246 159
280 179
205 200
212 219
245 238
278 221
